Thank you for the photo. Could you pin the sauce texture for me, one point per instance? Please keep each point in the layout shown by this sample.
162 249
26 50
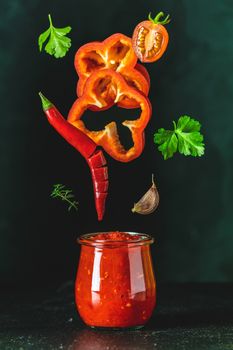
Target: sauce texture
115 285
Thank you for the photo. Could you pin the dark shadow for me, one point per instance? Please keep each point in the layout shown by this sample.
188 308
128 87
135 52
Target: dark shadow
193 305
96 121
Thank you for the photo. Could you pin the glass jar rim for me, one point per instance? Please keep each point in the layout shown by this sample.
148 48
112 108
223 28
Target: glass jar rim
140 239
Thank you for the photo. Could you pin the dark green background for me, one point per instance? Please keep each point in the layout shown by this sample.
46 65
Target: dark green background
193 226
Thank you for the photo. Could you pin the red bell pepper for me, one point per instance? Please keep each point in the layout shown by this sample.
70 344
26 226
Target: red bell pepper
116 53
107 86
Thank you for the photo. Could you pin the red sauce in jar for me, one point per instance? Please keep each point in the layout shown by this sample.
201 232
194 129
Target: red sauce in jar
115 285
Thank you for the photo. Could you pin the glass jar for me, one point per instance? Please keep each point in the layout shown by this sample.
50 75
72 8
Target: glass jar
115 284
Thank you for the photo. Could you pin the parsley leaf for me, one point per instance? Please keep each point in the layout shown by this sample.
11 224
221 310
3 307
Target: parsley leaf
185 138
168 142
58 44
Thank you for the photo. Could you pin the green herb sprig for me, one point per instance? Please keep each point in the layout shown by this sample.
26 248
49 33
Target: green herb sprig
185 138
58 43
59 191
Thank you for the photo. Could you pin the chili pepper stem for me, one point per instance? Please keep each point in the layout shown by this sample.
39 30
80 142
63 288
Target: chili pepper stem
46 104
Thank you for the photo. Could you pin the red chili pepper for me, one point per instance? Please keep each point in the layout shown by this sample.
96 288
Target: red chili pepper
88 149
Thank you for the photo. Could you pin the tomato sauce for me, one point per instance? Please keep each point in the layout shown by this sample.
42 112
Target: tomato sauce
115 285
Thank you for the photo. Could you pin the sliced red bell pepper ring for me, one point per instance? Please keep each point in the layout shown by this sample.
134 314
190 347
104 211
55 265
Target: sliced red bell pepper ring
116 89
115 53
136 80
88 149
142 69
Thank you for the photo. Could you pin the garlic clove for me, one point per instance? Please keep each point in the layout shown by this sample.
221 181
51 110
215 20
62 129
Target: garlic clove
149 201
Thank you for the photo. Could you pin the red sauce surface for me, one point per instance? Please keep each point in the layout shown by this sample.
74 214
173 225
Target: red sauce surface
117 236
115 286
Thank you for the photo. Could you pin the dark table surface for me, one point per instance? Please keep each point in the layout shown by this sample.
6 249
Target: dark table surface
188 316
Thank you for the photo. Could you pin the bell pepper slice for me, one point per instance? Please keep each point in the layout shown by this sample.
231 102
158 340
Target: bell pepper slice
142 69
115 53
113 88
136 80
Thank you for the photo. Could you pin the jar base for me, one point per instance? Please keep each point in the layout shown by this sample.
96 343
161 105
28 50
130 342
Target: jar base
132 328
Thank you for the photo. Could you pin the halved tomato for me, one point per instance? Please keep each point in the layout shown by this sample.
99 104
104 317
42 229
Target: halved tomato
150 38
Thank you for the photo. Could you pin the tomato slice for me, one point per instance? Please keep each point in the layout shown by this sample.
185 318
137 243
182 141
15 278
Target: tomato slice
150 39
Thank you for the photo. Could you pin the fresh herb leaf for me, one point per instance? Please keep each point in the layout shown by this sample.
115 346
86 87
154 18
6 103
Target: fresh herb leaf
185 138
168 142
59 191
58 43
